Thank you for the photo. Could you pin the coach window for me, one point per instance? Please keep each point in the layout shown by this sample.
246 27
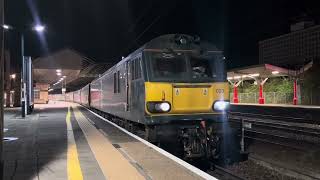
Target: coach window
115 82
132 69
118 82
136 69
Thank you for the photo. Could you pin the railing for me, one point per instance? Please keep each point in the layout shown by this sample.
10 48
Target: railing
270 98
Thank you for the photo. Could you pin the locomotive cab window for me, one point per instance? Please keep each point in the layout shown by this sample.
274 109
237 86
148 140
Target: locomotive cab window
186 67
200 68
169 66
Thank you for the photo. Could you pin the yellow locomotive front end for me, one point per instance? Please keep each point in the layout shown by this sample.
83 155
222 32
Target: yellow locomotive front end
164 99
186 95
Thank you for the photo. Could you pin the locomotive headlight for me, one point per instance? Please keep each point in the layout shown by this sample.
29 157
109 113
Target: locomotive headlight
158 107
221 105
165 107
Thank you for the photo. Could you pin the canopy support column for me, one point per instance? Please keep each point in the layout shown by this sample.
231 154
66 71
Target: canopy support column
261 97
295 98
235 90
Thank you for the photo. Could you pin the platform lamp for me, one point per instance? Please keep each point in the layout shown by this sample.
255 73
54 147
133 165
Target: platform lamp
39 29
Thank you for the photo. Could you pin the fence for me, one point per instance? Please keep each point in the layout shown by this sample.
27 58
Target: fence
270 98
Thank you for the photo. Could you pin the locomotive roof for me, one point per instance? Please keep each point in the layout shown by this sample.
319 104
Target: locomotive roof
174 41
170 41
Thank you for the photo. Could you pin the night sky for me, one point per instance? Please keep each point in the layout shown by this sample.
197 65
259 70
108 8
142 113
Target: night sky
105 30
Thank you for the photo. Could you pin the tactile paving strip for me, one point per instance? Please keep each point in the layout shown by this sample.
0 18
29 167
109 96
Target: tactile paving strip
111 161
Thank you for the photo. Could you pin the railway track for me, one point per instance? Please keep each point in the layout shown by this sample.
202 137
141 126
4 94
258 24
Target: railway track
308 131
279 126
280 140
225 174
287 133
272 117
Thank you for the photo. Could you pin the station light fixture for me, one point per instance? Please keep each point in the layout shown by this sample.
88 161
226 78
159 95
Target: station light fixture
6 26
254 75
39 28
275 72
229 78
58 70
59 74
13 76
237 77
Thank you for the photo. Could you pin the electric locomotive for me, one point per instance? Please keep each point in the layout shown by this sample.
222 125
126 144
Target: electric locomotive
175 87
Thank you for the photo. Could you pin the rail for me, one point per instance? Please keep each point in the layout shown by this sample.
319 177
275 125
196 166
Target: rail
290 134
222 173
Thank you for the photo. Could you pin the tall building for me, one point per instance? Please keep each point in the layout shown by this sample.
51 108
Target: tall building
299 47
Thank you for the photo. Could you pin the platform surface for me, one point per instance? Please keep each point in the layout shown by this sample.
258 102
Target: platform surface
66 141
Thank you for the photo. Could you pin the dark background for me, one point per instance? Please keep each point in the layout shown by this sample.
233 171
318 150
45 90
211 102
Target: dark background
105 30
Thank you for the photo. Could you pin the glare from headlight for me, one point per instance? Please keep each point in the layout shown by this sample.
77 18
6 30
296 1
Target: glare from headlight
163 107
221 105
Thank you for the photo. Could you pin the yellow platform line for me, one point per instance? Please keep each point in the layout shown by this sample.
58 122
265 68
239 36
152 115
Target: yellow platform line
113 164
73 163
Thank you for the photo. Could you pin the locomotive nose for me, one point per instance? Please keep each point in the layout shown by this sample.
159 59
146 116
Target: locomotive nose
192 98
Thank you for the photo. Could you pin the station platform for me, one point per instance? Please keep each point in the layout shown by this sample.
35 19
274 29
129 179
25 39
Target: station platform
292 113
66 141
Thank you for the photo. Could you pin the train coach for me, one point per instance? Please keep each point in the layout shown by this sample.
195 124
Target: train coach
174 87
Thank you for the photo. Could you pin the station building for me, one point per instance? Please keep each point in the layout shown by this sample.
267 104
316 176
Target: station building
297 54
293 49
11 83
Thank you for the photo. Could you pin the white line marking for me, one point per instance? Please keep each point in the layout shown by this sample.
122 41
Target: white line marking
128 156
161 151
102 132
90 121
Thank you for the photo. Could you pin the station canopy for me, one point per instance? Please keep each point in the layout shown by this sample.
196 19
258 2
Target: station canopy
259 71
77 69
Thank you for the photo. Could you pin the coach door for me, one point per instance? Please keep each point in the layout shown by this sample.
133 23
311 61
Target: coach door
128 84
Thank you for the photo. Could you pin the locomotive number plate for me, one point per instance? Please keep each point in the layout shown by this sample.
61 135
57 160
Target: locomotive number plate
220 91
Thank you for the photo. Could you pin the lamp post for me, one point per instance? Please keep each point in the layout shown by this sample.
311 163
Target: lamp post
38 28
12 88
1 87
